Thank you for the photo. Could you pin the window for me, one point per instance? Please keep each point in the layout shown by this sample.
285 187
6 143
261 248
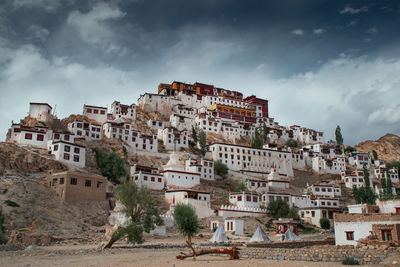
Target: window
40 137
28 136
95 111
89 110
62 180
76 150
88 183
99 184
312 213
67 148
102 112
66 137
153 179
55 147
349 235
66 156
159 180
145 178
386 235
76 158
74 181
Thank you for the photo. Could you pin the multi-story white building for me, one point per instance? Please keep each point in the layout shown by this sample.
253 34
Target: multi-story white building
157 103
31 136
203 166
256 185
156 124
126 132
359 159
324 190
354 178
147 176
323 165
243 158
328 151
198 199
207 123
88 130
173 139
182 110
181 123
307 136
40 111
120 111
68 153
181 179
277 181
244 199
269 196
96 113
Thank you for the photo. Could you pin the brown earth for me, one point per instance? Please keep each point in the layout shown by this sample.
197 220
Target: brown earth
387 147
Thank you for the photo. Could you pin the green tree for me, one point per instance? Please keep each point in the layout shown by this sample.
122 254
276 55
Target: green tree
220 168
202 141
291 143
386 184
375 155
278 208
338 135
393 164
141 208
364 194
264 132
257 141
325 223
194 135
186 222
3 238
111 165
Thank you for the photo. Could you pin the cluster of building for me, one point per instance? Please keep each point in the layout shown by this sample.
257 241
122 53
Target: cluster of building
265 171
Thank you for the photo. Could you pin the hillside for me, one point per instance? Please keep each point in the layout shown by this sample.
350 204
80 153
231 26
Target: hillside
387 147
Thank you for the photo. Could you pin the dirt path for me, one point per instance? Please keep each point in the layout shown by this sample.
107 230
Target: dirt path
81 256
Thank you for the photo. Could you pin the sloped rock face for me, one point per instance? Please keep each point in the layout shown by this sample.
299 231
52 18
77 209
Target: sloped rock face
387 147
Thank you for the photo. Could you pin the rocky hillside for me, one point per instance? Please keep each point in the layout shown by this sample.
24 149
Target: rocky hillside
387 147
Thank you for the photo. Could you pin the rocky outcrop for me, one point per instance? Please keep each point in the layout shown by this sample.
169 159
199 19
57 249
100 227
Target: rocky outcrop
387 147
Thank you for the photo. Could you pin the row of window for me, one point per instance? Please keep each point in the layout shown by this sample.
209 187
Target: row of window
67 148
95 111
74 181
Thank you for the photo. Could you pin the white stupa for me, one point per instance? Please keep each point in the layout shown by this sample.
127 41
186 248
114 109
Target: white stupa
174 163
259 236
219 235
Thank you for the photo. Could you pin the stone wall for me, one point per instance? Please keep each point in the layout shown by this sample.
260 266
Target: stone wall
327 253
293 244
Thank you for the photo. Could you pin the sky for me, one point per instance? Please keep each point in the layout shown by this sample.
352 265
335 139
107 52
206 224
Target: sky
320 63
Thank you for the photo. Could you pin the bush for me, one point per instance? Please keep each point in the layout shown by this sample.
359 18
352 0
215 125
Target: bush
278 208
111 165
325 223
350 261
220 168
292 143
11 203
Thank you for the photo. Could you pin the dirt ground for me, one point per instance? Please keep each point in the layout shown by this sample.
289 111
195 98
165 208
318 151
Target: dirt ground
84 256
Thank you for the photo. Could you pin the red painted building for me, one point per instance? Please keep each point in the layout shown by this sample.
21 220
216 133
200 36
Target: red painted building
258 101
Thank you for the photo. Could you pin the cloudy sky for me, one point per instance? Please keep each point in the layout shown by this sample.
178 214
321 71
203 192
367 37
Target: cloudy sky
320 63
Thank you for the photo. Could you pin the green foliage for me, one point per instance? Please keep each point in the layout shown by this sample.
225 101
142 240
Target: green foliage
375 154
386 191
186 220
364 194
350 261
269 224
338 135
142 210
293 213
202 141
325 223
194 135
239 186
220 168
278 208
291 143
349 149
111 165
11 203
257 141
264 132
3 238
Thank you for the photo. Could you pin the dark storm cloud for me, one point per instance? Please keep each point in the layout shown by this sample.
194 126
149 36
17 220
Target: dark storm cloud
320 63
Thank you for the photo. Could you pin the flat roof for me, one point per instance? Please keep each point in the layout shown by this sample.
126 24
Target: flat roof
249 147
93 106
40 104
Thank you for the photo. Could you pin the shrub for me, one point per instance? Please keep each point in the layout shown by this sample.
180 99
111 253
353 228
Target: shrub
278 208
220 168
350 261
11 203
111 165
325 223
292 143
